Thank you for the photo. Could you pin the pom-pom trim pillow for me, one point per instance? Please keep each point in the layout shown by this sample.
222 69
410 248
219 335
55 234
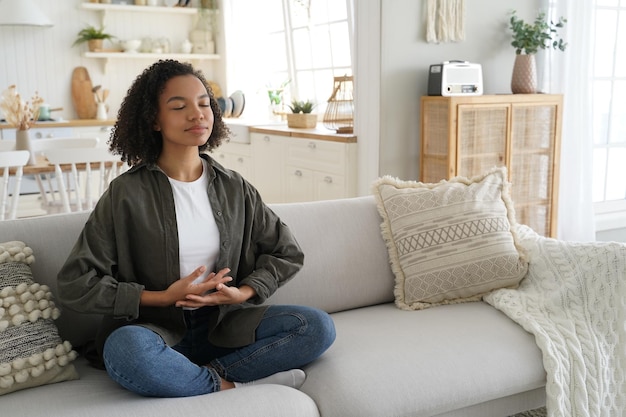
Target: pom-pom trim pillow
451 241
31 350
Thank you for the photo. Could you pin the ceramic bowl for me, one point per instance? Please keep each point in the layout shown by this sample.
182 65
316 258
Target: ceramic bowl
131 45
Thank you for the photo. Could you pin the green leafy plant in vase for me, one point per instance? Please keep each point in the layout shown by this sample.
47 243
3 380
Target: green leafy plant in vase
528 38
94 37
275 94
301 115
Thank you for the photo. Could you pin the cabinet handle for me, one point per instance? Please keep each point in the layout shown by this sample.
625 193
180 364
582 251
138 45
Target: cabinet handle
312 145
266 138
240 160
298 173
222 156
38 135
328 180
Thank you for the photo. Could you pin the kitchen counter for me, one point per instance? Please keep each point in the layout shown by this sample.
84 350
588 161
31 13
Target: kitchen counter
320 133
66 123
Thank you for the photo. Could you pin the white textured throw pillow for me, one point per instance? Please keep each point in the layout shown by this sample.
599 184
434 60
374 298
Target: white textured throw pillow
449 242
31 350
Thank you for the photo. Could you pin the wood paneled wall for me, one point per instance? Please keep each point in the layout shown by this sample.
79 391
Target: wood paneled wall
42 59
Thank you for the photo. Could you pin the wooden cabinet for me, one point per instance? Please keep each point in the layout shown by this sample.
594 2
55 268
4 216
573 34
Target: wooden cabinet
292 166
467 136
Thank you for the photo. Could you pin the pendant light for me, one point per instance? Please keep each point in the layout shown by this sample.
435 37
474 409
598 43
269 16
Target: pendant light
22 13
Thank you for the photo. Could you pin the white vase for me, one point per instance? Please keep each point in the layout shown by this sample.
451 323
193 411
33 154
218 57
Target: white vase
22 143
101 113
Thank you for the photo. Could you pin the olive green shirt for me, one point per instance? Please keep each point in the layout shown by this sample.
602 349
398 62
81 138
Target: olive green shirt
130 243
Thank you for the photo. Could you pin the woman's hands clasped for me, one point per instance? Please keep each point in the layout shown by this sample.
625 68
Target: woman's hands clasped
185 292
196 294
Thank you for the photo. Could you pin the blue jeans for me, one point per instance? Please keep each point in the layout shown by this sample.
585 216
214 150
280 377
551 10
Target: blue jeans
288 337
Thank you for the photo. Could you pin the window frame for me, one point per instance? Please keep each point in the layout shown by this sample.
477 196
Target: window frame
610 214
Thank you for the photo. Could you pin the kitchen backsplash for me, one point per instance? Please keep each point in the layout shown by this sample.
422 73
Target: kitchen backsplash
42 59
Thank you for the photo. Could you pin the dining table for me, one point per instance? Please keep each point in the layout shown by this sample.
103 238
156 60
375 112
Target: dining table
44 167
43 171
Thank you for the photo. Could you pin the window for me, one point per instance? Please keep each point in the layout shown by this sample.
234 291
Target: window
609 106
300 43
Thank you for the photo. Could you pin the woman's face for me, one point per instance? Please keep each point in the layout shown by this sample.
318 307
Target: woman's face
184 118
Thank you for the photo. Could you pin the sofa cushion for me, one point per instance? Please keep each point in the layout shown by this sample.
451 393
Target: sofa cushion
31 351
96 395
344 253
390 362
451 241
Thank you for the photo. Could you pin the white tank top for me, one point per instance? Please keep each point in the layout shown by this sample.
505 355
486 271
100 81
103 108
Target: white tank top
198 236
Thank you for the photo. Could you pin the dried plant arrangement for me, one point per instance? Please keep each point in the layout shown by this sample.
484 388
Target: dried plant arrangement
19 114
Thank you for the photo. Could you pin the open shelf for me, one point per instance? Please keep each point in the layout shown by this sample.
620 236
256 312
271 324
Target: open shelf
107 56
148 55
140 9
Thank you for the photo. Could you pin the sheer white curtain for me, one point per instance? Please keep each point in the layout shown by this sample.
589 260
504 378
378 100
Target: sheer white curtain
569 73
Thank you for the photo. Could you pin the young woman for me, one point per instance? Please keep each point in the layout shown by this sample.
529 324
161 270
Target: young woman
179 254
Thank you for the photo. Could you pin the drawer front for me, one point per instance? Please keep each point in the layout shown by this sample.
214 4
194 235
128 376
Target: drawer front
233 147
317 155
330 187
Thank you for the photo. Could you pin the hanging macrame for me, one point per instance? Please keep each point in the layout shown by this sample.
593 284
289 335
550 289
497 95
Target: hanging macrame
445 21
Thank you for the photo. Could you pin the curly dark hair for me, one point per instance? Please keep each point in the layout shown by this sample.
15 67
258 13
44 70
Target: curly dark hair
133 136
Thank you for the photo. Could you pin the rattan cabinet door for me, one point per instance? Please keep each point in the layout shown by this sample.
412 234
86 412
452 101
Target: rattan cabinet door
482 132
533 164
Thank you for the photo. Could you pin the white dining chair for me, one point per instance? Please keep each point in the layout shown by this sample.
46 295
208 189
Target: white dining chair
8 160
45 182
85 160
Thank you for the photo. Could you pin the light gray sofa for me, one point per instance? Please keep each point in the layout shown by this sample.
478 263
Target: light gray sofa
454 360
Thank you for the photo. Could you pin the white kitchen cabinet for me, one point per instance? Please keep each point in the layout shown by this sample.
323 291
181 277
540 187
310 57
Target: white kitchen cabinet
268 165
68 129
301 167
235 156
41 132
317 169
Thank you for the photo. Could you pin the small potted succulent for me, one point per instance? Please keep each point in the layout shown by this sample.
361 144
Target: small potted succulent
93 36
301 115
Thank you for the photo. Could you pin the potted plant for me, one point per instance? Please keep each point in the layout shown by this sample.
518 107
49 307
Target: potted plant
527 40
21 115
93 36
301 114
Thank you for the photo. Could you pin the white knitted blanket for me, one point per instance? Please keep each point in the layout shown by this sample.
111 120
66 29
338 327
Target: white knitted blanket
573 300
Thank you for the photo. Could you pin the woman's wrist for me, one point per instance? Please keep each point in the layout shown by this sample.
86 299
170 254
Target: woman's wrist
155 299
247 291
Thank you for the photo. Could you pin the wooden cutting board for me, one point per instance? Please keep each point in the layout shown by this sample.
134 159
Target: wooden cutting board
82 94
